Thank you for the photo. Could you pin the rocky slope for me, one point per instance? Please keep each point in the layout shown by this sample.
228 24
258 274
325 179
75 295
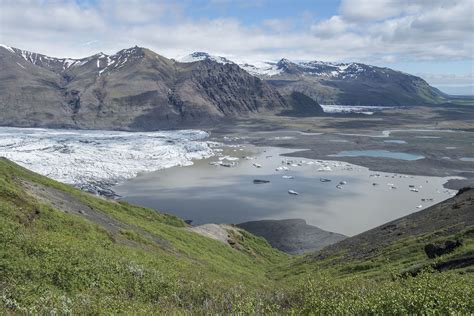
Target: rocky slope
347 83
292 236
440 237
132 89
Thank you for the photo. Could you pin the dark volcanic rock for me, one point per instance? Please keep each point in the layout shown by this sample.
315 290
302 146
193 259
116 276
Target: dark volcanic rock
433 251
258 181
293 236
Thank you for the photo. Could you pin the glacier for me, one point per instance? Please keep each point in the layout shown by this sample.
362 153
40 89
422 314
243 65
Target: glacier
96 160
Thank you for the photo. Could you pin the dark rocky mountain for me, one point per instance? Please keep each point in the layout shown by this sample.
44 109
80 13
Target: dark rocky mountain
292 236
132 89
347 83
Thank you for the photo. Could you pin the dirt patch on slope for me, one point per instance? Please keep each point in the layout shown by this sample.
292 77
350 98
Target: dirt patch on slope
70 204
223 233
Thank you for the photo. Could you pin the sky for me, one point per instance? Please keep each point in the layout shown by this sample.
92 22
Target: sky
430 38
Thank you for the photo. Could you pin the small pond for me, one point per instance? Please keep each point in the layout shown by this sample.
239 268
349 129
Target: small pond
378 154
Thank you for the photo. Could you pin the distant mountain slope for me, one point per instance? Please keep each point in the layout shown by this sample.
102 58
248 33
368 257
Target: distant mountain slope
132 89
347 83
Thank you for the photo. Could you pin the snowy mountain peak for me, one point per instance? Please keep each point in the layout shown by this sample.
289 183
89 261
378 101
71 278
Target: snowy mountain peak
284 62
199 56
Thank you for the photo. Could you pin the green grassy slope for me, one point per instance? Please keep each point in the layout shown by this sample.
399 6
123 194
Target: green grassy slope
49 257
65 251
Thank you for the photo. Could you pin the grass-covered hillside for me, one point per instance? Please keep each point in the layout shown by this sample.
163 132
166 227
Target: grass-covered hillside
65 251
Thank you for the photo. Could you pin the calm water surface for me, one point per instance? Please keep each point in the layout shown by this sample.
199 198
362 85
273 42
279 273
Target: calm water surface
378 154
208 193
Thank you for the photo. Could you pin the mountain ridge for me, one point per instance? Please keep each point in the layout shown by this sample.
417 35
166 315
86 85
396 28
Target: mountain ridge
138 89
133 89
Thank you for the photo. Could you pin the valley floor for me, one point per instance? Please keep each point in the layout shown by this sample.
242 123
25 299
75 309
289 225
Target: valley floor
442 135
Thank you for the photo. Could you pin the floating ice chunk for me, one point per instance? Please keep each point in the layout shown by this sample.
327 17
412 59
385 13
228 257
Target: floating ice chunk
282 168
287 177
327 168
229 158
228 164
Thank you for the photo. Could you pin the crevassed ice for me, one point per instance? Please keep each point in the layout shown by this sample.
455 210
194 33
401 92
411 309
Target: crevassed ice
96 160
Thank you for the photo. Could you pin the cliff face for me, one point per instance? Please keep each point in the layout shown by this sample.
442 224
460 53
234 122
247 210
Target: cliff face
133 89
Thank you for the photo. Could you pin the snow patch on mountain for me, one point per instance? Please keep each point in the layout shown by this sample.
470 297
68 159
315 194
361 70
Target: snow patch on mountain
114 61
97 160
199 56
7 48
262 69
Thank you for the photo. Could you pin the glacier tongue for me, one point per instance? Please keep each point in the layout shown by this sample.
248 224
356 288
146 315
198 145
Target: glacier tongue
97 160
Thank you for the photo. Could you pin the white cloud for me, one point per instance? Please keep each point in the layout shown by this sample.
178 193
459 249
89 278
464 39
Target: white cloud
278 25
330 28
381 31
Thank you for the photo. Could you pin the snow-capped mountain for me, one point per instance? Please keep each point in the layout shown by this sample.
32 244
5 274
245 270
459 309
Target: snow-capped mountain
310 68
346 83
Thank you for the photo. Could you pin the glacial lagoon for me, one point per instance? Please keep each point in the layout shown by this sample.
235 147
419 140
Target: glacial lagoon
332 195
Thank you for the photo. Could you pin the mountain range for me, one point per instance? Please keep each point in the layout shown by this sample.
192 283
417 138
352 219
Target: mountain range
137 89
